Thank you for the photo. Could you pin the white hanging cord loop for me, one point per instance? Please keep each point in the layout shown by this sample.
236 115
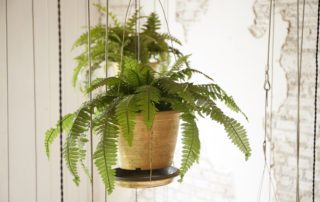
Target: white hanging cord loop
267 85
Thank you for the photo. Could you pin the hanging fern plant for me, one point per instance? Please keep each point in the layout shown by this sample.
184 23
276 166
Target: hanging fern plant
139 89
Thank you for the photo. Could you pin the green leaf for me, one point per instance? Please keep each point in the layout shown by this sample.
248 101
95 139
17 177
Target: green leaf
110 82
126 113
52 133
106 152
146 98
105 155
71 150
191 143
215 91
235 130
82 142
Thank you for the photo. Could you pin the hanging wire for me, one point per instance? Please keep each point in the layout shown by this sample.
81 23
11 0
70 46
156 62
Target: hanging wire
271 97
167 24
90 97
122 44
315 107
298 110
7 72
267 88
137 49
107 39
60 100
34 104
299 67
106 59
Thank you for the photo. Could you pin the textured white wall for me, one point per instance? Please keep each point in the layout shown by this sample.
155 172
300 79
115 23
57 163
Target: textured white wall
215 32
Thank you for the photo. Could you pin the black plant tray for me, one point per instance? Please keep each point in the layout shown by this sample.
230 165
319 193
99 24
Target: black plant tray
144 175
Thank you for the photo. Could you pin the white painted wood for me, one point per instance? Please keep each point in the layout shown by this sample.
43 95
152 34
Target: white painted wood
21 107
3 107
52 51
42 95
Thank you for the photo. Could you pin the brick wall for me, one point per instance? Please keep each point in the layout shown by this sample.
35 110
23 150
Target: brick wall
285 118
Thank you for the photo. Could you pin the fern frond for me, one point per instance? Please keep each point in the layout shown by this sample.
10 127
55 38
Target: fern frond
71 151
105 155
235 130
169 37
173 88
216 92
238 136
191 143
179 63
132 21
126 113
80 125
52 133
110 81
146 98
153 23
106 152
82 142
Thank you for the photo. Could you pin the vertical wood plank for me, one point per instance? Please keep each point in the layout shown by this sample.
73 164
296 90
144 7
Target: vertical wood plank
3 106
72 28
42 91
54 176
21 107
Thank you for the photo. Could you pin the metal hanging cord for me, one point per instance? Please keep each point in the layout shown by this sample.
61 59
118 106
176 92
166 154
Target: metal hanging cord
60 100
7 100
271 99
90 98
34 105
267 88
106 60
299 66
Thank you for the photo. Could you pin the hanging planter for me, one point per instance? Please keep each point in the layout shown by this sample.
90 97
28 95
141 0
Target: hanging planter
151 150
157 144
139 114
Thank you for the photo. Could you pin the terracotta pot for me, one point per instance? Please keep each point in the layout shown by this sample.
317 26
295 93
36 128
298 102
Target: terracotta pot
163 136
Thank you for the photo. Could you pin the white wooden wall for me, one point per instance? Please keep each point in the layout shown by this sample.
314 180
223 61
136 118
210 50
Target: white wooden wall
29 100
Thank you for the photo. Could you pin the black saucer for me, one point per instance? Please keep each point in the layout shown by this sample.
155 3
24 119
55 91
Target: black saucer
144 175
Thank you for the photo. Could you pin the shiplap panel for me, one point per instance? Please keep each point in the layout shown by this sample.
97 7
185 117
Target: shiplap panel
42 79
21 107
3 106
73 16
53 102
